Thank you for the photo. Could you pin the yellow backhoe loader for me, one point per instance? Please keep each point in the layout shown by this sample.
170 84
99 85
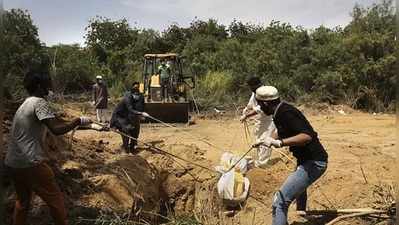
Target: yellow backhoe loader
175 106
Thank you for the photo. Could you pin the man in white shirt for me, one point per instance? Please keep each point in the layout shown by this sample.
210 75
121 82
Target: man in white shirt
264 126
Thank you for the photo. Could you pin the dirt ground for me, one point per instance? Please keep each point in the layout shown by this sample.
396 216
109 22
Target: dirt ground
361 148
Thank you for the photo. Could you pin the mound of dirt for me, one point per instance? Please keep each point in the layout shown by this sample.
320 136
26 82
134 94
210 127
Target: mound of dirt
94 179
108 191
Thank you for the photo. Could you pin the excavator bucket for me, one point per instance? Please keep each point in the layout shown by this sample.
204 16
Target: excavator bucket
177 112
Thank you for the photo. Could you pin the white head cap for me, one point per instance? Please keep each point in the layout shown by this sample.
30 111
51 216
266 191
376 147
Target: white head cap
267 93
99 77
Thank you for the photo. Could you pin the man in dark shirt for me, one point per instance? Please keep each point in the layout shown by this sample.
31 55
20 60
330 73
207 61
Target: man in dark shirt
127 115
295 131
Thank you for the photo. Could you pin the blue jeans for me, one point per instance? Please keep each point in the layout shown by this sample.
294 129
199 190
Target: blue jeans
295 188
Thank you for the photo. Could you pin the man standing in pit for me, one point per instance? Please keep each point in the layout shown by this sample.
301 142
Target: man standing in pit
127 115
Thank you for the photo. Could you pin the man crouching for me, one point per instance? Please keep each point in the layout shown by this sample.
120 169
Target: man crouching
127 115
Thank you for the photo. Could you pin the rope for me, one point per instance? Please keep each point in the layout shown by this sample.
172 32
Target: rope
210 144
196 137
160 150
173 155
168 125
247 133
167 154
185 160
234 165
293 162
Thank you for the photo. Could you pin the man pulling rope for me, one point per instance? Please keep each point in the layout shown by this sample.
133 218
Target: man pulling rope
295 131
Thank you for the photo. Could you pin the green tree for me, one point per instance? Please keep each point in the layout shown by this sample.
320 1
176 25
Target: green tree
176 38
200 52
230 57
73 69
208 28
244 32
369 39
105 36
119 49
323 58
21 49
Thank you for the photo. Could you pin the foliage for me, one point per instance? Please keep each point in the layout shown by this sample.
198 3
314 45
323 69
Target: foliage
21 49
73 70
353 65
215 89
104 35
370 40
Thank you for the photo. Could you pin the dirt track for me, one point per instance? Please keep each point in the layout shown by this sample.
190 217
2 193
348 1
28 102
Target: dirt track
355 142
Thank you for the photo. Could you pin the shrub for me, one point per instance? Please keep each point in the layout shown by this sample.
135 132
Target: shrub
214 89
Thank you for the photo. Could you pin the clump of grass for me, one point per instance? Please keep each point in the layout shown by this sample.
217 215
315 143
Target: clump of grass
214 89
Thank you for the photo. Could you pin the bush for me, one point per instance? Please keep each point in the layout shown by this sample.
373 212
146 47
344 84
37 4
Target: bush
215 89
21 50
355 64
73 70
329 87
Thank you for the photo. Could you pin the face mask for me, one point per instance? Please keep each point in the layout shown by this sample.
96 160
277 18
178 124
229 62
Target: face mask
267 109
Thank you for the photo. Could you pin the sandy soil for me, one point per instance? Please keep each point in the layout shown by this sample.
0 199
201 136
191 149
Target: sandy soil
94 174
361 149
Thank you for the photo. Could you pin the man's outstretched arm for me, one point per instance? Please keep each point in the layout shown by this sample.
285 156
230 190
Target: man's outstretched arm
59 127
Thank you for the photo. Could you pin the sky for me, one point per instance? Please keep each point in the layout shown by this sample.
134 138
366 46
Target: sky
64 21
